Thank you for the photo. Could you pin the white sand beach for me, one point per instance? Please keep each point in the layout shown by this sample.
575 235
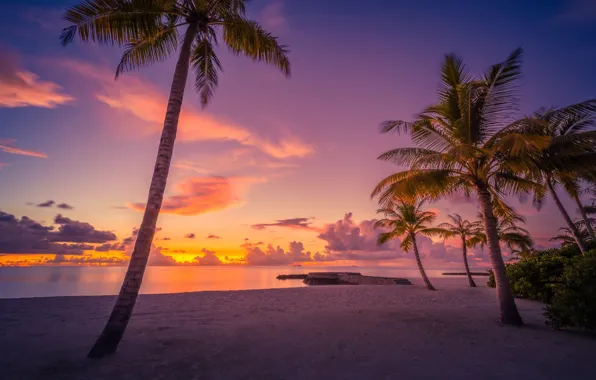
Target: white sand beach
327 332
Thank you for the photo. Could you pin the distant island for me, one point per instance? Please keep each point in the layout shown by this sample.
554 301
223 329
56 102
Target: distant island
465 274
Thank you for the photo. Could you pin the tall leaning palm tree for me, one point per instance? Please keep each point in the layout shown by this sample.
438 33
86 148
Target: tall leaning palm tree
465 230
152 31
406 218
465 143
568 156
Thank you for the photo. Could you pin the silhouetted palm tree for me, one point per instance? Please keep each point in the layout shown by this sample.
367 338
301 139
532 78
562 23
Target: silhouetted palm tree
568 156
406 218
465 143
149 31
465 230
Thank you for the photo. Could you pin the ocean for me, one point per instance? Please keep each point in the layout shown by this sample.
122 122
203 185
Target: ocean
54 281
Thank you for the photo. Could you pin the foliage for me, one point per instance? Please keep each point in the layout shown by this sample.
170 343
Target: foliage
405 217
149 32
574 302
536 277
458 226
466 142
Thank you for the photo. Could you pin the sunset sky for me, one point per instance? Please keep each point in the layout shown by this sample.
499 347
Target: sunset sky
286 163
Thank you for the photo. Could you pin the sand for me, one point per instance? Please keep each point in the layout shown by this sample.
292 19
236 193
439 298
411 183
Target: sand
331 332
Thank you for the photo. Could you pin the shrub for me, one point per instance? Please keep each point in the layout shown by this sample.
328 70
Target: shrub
536 277
574 302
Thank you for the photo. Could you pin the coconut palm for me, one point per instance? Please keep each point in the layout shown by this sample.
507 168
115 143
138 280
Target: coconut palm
465 230
465 144
567 235
517 239
568 156
406 218
149 31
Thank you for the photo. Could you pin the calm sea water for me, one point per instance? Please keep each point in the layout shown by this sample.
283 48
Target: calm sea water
87 281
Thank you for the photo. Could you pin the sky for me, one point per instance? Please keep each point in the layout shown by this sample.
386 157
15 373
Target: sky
274 171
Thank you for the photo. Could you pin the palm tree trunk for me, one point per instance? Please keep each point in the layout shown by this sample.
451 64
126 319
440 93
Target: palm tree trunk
465 250
585 217
572 227
429 286
508 310
108 341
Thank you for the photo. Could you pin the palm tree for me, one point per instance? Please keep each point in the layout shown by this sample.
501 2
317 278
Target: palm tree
567 236
465 143
517 239
467 231
406 218
572 132
149 31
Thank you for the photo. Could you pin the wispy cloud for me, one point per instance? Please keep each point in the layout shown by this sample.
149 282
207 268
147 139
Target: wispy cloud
148 103
22 88
49 203
8 147
300 223
190 236
200 195
65 206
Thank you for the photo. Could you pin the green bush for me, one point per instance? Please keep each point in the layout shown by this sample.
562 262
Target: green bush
536 277
574 302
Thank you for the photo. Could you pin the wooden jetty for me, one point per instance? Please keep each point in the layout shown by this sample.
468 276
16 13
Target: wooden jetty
292 276
343 278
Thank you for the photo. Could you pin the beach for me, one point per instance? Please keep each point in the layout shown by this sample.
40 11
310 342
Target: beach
326 332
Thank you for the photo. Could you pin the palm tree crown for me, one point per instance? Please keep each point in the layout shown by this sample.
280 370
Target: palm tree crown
149 31
461 227
469 142
467 231
569 156
405 218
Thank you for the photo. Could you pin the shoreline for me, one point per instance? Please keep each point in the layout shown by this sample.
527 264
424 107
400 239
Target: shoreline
343 332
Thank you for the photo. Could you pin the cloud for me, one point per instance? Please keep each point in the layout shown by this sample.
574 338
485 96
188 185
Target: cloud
86 260
166 238
46 204
8 147
22 88
347 235
208 259
273 17
211 236
75 231
111 247
25 235
278 256
579 10
3 164
51 203
300 223
202 194
142 99
234 159
190 236
156 258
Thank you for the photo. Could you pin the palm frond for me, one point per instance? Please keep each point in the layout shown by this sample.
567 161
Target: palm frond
500 92
117 21
206 65
149 49
248 38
